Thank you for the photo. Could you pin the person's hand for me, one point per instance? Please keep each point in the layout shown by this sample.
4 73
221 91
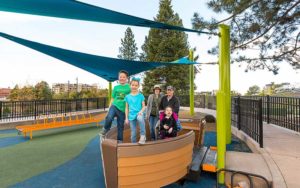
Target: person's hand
140 113
126 122
147 118
166 127
170 130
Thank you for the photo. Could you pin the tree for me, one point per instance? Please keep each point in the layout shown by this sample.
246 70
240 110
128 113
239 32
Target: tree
93 93
14 94
22 94
272 88
128 50
269 28
63 95
253 90
166 46
42 91
26 93
235 93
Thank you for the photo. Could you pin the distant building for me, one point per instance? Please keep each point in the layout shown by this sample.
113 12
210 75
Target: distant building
4 93
291 88
67 87
213 92
283 88
267 90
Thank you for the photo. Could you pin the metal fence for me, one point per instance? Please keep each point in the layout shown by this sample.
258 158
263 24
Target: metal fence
33 109
281 111
249 112
246 115
201 101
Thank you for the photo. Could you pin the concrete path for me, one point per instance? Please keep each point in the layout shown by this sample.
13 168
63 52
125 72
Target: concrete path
281 152
283 147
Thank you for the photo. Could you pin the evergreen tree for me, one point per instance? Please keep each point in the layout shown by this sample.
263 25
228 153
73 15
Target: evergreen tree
270 28
166 46
128 50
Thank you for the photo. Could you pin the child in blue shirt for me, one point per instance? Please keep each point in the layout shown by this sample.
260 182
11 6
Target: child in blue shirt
135 106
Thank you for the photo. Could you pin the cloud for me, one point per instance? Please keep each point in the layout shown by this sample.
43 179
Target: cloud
8 17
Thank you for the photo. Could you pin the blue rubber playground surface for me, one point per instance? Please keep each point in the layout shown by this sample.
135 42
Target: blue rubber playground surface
69 158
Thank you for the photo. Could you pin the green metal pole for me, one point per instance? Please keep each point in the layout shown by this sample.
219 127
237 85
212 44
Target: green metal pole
109 92
224 68
191 58
223 98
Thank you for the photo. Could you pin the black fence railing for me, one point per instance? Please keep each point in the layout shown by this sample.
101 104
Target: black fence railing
246 115
281 111
200 101
249 112
33 109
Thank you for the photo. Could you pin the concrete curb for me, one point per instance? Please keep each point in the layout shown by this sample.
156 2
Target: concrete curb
277 177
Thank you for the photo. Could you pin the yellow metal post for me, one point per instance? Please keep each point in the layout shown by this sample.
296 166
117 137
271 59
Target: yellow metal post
223 98
191 58
224 79
109 92
221 135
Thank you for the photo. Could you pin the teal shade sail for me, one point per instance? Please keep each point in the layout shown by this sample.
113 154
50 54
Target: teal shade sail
72 9
104 67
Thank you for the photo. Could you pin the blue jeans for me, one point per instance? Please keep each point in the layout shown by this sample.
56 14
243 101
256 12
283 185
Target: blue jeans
140 120
112 113
152 122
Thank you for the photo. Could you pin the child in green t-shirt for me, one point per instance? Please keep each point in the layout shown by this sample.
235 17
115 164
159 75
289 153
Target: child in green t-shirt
117 106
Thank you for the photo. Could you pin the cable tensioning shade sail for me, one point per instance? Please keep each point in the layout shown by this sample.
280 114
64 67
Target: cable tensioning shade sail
72 9
104 67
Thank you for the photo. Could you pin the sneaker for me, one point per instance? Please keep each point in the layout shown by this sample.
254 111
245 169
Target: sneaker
103 132
142 139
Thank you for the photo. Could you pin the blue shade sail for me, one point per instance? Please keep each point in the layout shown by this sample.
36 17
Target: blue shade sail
104 67
72 9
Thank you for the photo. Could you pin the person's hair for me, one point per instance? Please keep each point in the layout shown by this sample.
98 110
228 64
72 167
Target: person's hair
124 72
134 81
156 88
168 107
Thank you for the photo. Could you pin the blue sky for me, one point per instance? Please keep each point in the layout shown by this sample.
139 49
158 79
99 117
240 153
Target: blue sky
21 65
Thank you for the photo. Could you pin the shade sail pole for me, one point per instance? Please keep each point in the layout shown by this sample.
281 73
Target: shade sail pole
191 75
109 92
223 98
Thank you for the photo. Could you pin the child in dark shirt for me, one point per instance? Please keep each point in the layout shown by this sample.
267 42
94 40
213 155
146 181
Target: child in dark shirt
168 125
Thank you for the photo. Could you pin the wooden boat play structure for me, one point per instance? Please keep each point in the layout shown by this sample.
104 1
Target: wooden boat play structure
154 164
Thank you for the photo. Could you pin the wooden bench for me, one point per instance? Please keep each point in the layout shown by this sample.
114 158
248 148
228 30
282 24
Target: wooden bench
196 125
59 122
